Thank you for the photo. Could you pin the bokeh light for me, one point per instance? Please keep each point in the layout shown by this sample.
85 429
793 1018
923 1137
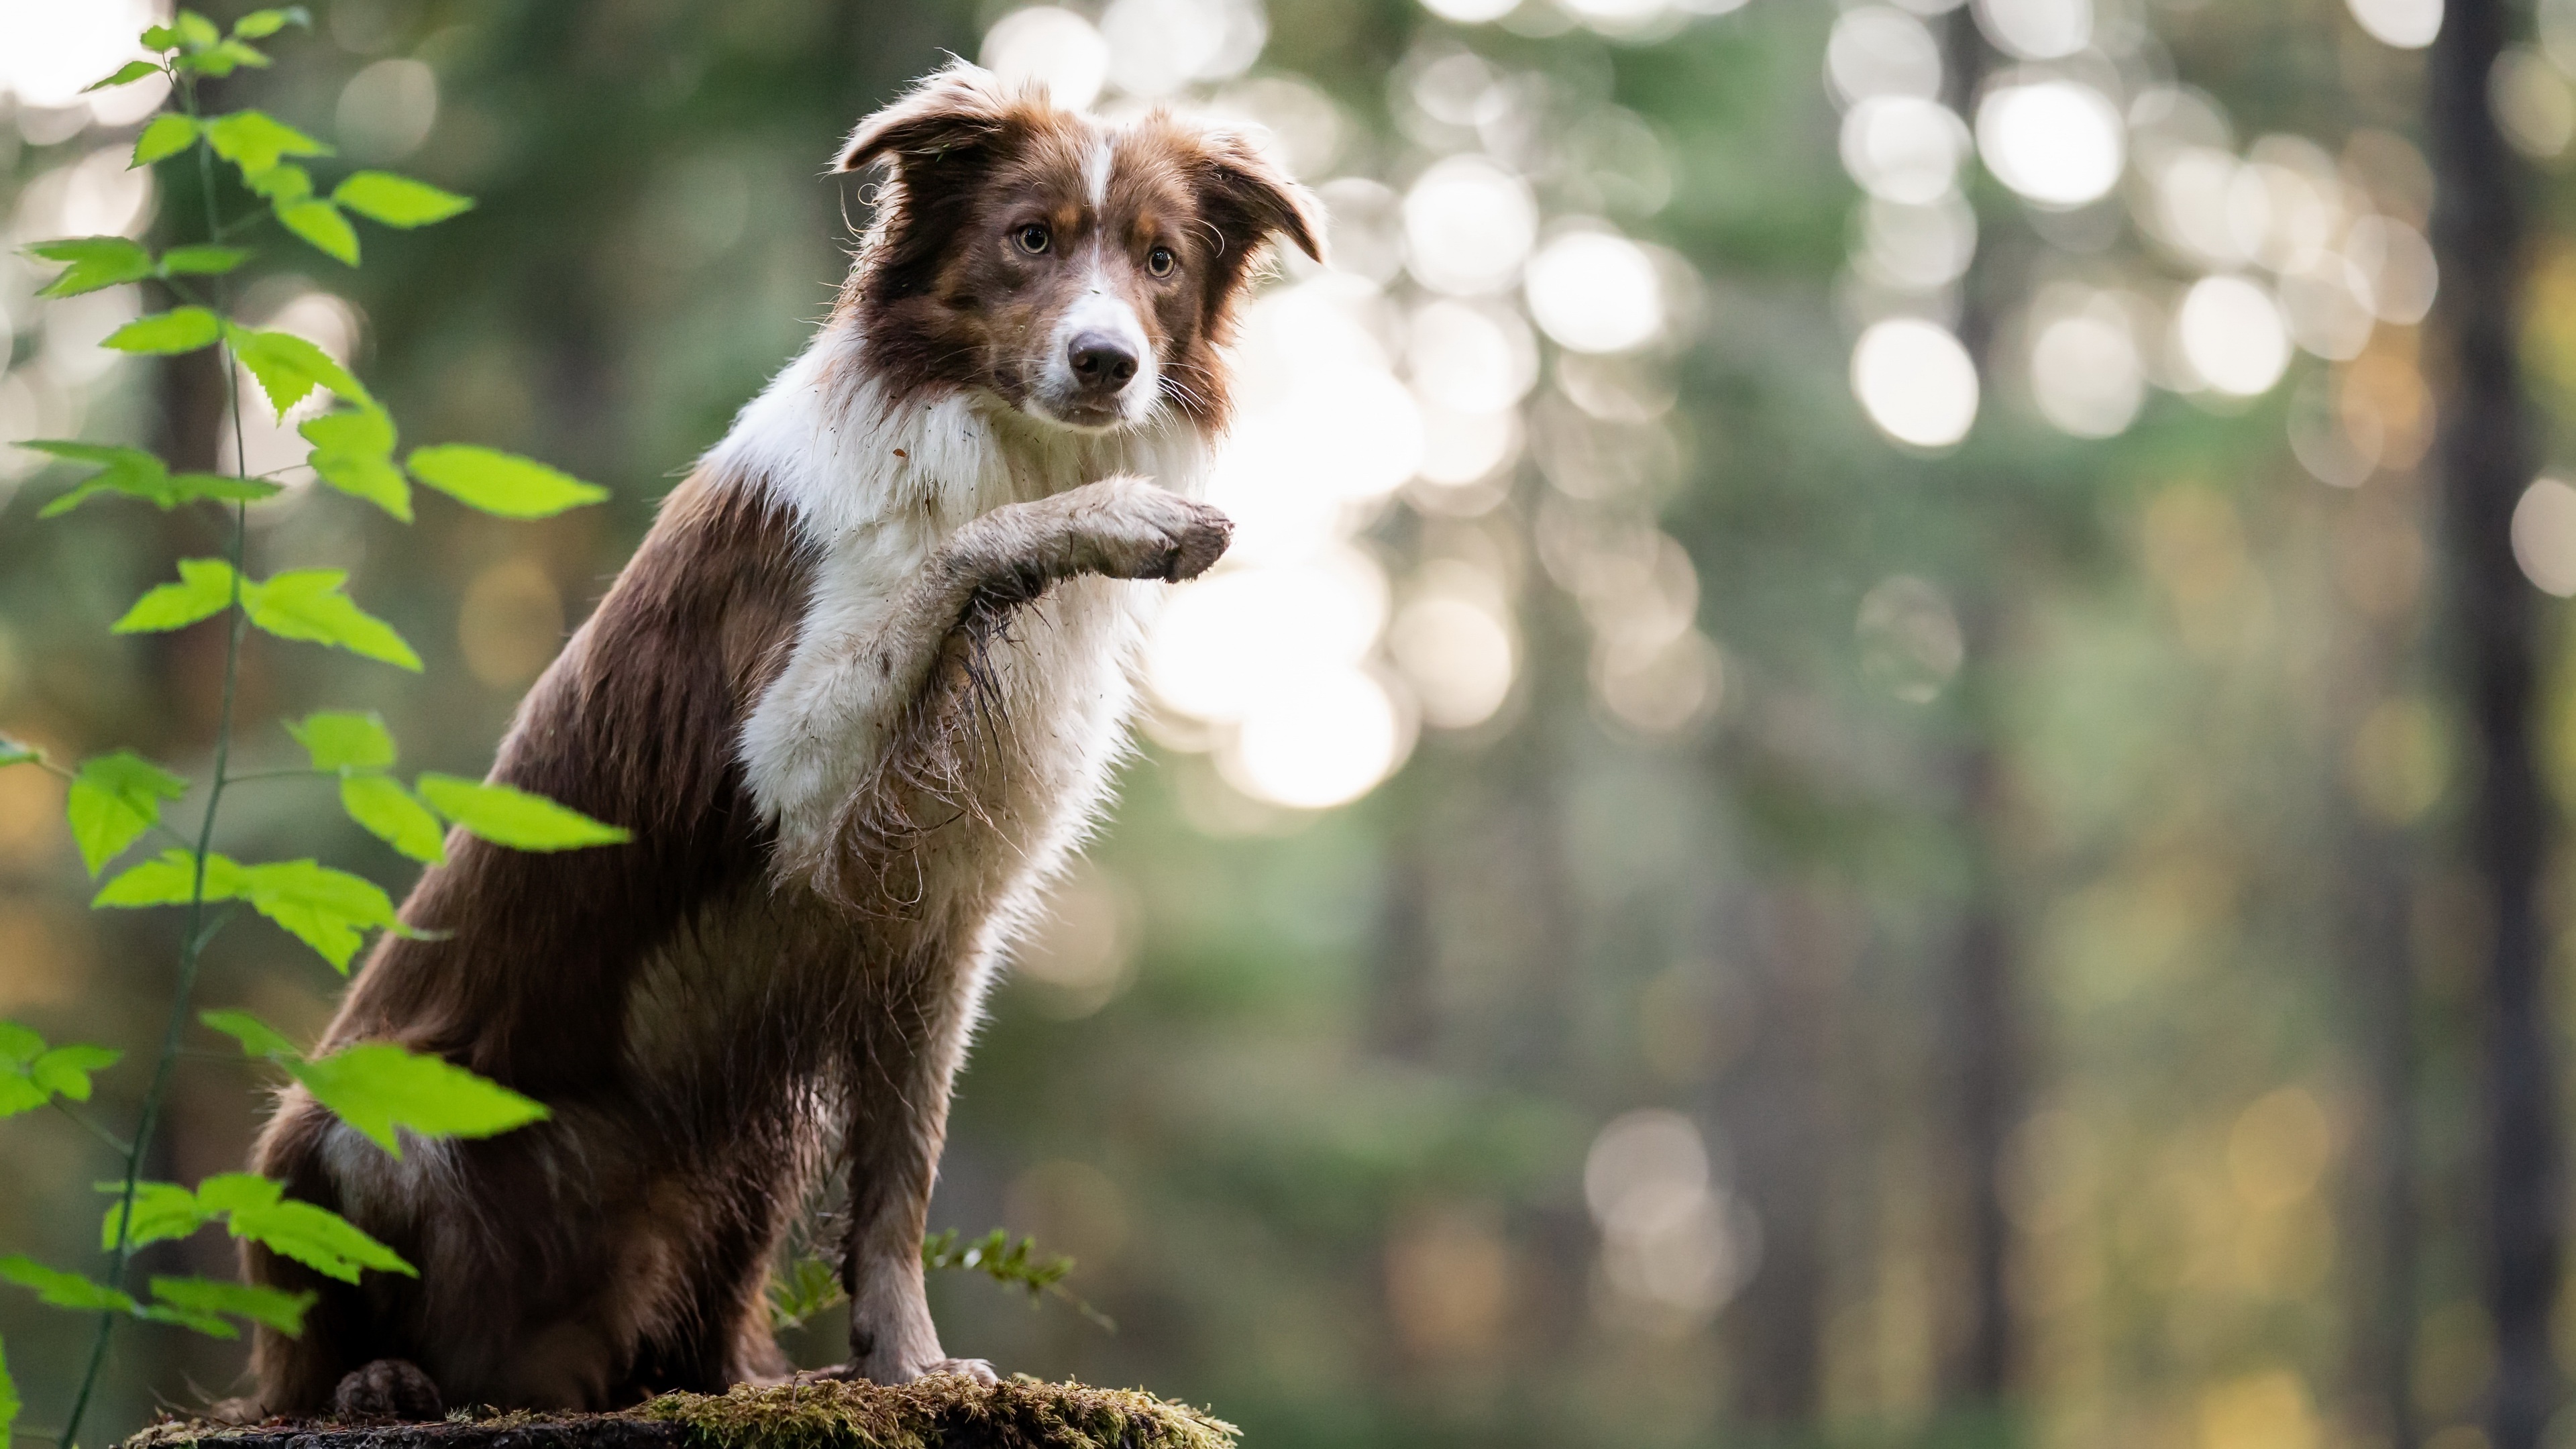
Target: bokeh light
1874 50
1157 47
2405 24
1903 148
1053 47
2232 335
1595 292
2057 142
2086 372
50 49
1324 741
2544 536
1468 226
2036 29
1916 382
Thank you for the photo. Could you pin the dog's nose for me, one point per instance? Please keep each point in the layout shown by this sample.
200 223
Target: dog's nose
1101 362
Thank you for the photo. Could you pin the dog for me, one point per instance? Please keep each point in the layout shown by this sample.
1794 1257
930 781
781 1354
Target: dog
858 694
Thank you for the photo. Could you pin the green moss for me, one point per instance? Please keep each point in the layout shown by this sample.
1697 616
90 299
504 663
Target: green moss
941 1412
928 1413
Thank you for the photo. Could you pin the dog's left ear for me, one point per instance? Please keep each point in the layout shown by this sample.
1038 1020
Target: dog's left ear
1250 199
957 108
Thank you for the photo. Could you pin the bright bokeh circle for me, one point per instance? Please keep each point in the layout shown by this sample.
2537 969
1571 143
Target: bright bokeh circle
1916 382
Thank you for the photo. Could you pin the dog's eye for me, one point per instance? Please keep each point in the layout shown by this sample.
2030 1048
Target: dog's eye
1160 261
1032 239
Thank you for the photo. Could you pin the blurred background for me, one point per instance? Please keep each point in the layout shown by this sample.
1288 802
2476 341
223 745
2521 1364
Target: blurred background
1875 765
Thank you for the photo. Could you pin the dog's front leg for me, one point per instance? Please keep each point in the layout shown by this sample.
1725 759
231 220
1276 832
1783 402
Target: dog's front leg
826 725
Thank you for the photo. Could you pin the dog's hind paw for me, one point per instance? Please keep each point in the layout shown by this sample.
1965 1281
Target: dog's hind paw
388 1389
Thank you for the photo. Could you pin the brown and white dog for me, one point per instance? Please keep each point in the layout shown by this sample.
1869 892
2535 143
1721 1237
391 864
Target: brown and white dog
857 695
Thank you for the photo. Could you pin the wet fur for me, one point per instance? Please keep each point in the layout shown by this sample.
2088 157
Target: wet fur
857 695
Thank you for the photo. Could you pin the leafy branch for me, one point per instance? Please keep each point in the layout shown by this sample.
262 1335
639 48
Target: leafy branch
114 800
808 1285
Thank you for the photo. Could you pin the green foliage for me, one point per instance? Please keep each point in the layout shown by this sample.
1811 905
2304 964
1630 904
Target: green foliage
500 483
113 801
126 74
60 1289
274 1307
307 604
378 1087
345 740
321 223
516 818
206 588
353 451
10 1403
96 262
255 142
202 261
138 474
288 367
390 200
32 1073
805 1287
162 1211
164 334
381 1089
166 137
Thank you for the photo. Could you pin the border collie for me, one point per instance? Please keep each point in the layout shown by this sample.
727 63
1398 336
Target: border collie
858 694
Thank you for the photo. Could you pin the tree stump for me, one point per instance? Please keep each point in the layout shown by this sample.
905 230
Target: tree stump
941 1412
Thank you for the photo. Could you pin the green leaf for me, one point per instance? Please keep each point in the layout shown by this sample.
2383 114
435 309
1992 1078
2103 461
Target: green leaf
96 261
316 1237
161 37
14 753
391 814
32 1074
500 483
126 74
345 739
197 32
138 474
260 24
202 261
254 142
321 223
162 1211
353 452
257 1038
167 136
328 910
282 183
289 367
515 818
10 1403
276 1308
383 197
181 329
223 58
65 1070
307 604
113 800
170 879
378 1087
808 1286
62 1290
205 1323
205 589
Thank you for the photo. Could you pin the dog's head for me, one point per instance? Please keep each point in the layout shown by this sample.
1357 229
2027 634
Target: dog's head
1084 272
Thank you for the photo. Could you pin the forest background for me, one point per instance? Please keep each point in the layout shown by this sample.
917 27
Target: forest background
1844 786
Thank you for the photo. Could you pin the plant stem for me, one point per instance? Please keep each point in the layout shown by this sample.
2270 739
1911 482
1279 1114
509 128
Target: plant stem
120 1148
192 946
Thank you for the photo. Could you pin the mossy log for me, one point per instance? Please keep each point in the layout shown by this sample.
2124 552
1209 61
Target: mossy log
933 1413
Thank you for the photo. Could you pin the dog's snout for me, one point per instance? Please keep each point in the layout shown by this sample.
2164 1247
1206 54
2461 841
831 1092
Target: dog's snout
1101 361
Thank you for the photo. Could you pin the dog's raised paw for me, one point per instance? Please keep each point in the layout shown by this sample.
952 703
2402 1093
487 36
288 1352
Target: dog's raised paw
388 1389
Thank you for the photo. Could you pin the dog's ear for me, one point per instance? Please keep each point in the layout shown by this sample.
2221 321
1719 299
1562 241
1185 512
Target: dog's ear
1251 199
957 108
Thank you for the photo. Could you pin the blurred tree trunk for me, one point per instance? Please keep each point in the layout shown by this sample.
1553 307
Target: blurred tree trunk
2378 947
2485 460
1985 1061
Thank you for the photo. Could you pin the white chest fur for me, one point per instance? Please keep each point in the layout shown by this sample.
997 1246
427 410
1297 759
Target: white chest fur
876 489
